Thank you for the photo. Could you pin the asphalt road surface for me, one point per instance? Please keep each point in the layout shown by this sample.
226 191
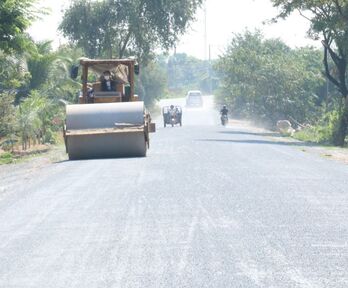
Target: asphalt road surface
210 206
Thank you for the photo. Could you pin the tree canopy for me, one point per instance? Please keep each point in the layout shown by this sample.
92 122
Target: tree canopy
15 17
266 80
118 28
187 73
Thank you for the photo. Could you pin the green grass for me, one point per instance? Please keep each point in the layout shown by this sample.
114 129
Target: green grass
317 136
9 158
307 135
6 158
54 153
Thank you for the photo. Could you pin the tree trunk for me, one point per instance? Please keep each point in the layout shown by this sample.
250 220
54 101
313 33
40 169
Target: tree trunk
343 125
124 46
340 83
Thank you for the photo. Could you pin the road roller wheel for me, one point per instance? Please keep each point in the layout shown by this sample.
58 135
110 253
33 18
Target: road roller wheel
143 153
89 136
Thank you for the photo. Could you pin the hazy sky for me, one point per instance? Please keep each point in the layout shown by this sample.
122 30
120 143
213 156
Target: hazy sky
223 18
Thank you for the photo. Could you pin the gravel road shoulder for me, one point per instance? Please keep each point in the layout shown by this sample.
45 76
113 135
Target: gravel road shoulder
26 170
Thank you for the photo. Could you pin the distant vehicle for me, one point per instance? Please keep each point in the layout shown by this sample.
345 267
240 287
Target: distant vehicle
172 115
194 99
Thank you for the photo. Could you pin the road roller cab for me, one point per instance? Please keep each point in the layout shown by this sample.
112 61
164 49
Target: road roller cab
109 120
121 73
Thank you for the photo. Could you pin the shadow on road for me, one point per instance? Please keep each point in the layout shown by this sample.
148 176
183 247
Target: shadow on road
60 161
234 132
99 159
284 143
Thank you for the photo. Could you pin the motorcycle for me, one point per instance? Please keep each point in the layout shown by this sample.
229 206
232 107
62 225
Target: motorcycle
224 119
172 118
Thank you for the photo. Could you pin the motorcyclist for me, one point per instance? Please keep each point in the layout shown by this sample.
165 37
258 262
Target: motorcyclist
224 115
224 111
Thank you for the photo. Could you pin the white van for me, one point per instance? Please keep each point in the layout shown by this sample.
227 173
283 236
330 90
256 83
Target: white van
194 98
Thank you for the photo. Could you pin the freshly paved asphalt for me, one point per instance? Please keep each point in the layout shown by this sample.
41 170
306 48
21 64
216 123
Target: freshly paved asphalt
209 206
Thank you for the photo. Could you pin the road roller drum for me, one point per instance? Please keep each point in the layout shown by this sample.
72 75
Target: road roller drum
105 130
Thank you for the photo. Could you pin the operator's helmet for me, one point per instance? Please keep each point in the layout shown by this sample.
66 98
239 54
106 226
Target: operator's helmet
171 106
224 106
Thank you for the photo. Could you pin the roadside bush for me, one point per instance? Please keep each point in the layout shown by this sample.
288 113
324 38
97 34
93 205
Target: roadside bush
9 143
309 134
6 158
38 119
323 132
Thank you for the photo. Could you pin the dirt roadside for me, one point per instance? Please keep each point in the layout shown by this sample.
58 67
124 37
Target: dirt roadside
27 167
329 152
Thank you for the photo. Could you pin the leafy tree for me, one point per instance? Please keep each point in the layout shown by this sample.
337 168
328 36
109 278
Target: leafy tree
40 64
50 71
118 28
15 17
329 20
267 80
13 74
37 117
7 114
27 121
152 82
187 73
59 84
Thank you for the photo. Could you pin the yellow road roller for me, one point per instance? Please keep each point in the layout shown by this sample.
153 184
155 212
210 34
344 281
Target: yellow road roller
109 120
